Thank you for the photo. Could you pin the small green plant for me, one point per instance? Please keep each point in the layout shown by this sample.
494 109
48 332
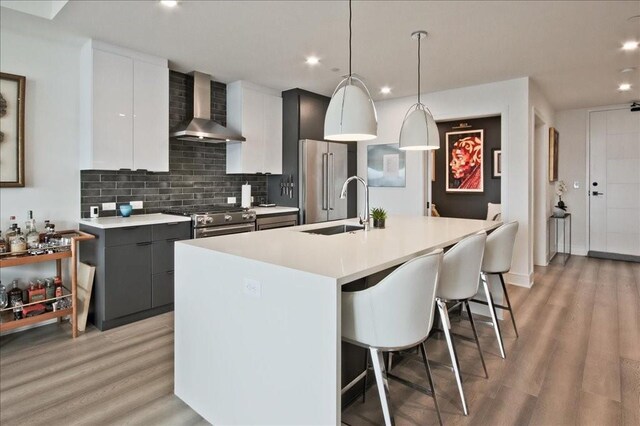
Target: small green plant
378 213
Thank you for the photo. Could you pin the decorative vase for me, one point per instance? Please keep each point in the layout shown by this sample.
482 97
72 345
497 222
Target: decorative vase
558 212
125 210
561 203
378 223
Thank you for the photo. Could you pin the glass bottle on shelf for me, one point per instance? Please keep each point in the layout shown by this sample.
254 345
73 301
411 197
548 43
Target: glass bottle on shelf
10 234
4 297
43 236
32 235
57 282
19 242
50 288
3 244
15 294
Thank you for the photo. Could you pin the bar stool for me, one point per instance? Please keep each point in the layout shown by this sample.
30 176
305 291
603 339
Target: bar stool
458 284
497 260
395 314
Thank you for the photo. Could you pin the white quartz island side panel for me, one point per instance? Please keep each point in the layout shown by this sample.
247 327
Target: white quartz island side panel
257 315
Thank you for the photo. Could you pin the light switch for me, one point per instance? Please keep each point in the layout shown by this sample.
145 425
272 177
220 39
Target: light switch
576 184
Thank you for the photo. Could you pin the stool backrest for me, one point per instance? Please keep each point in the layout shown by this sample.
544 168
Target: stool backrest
397 312
460 275
499 249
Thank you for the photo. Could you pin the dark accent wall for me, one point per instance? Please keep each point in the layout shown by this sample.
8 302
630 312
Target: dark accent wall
197 170
467 204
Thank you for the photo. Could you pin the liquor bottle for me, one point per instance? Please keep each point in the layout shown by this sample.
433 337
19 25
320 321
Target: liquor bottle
50 288
57 282
10 234
32 236
4 297
19 242
36 292
15 294
3 244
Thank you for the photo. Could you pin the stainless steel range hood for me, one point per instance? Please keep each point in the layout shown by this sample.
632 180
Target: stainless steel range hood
201 128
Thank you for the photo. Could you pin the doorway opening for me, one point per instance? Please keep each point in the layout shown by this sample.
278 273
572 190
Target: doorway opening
542 194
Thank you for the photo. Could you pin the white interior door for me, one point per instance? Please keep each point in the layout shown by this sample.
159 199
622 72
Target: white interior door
614 170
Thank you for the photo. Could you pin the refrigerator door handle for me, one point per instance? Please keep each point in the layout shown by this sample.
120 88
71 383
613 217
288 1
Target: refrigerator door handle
332 183
325 181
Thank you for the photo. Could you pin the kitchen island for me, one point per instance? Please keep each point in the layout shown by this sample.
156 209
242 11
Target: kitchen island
257 315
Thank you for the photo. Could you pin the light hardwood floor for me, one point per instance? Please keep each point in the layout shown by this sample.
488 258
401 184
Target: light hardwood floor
577 361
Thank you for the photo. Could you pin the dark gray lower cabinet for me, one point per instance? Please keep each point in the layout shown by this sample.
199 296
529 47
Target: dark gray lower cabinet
134 271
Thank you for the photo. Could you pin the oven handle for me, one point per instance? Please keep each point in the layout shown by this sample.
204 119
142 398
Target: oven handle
224 230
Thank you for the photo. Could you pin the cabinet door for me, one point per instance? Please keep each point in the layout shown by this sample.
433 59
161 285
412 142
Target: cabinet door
112 111
127 280
312 112
253 128
150 117
162 289
272 134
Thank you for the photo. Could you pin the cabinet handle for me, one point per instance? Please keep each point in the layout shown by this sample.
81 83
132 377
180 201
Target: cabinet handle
129 228
170 272
170 240
147 243
173 223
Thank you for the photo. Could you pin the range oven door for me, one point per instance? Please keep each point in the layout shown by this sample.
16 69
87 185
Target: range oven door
215 231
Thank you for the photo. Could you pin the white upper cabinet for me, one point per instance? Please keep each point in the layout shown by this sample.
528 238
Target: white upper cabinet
256 113
126 109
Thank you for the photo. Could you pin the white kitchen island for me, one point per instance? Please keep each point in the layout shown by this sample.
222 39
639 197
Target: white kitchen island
257 315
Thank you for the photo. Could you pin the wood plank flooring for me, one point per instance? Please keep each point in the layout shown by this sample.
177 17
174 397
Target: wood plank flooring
577 361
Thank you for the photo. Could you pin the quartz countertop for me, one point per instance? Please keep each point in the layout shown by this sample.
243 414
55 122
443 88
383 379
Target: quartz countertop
263 211
133 220
347 256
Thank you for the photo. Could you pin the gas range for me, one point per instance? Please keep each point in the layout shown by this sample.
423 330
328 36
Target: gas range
214 220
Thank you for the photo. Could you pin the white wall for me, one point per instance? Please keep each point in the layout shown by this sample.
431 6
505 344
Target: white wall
50 63
573 126
510 100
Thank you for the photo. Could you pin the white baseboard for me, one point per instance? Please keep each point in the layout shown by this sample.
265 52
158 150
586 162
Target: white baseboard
522 280
578 250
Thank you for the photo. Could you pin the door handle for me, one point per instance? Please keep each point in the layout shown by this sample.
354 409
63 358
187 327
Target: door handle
332 183
325 181
596 193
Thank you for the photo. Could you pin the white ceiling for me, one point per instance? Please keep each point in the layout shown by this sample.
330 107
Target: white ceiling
570 48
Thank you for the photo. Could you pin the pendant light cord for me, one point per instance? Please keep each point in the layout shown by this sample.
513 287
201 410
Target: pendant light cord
419 37
350 38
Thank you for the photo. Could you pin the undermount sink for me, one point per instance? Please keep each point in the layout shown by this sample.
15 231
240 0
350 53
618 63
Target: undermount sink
335 229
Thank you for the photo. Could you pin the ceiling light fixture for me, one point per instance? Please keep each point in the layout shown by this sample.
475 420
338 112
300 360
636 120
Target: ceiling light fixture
385 90
169 3
312 60
419 130
630 45
624 87
351 115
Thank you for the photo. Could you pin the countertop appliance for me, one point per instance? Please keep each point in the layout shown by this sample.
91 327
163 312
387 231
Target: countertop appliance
323 170
215 220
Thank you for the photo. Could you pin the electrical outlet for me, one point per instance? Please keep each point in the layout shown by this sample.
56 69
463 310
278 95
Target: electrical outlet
252 288
108 206
136 205
231 200
94 211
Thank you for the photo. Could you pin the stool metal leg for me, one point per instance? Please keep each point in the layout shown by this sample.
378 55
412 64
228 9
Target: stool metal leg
506 296
383 385
444 316
492 311
366 368
475 335
433 389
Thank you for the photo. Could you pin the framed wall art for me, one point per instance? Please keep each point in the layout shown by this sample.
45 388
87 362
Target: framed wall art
12 91
464 161
386 166
554 138
496 166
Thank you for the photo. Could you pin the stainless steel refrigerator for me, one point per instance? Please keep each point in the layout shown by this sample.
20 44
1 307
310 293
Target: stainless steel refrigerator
323 170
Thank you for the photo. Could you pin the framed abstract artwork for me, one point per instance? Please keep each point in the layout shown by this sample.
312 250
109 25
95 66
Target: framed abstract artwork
496 167
12 91
554 138
464 161
386 165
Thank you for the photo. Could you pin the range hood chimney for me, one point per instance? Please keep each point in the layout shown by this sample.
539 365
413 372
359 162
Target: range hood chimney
201 128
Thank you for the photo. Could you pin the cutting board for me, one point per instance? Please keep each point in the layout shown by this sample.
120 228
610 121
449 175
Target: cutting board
85 285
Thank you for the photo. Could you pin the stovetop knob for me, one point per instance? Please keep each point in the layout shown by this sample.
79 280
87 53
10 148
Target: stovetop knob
208 220
227 218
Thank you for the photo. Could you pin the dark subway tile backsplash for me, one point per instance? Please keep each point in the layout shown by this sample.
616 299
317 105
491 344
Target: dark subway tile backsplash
196 169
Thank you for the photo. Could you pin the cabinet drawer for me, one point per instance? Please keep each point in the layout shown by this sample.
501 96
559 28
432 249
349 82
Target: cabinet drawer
128 235
162 289
172 230
162 255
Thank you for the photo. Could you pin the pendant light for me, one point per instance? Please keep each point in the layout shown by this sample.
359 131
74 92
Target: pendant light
419 130
351 115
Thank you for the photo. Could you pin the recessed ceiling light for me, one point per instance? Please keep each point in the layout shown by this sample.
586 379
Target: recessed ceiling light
169 3
385 90
624 87
630 45
626 70
312 60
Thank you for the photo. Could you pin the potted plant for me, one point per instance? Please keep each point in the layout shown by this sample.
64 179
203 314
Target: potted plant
379 215
560 210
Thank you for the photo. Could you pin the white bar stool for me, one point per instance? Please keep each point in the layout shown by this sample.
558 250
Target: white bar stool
497 261
395 314
458 284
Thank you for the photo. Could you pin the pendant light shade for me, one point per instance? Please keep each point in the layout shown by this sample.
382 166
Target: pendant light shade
419 131
351 115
